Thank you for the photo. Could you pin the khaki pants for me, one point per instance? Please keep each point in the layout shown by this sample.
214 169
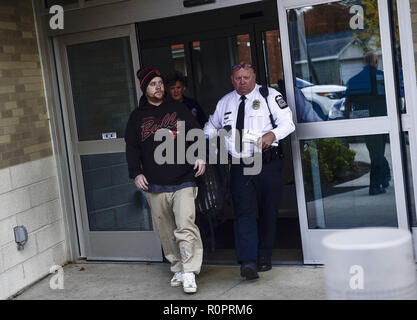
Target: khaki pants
173 214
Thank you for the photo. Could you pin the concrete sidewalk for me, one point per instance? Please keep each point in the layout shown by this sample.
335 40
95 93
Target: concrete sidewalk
148 281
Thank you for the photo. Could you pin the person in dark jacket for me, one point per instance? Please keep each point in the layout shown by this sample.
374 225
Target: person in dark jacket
365 95
170 188
176 83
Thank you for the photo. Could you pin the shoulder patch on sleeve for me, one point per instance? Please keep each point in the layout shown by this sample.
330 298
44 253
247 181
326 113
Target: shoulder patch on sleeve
280 101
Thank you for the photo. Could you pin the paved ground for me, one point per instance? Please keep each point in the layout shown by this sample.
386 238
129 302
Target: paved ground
151 281
351 209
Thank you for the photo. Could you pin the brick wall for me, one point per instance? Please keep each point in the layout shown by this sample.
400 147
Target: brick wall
29 197
24 124
29 192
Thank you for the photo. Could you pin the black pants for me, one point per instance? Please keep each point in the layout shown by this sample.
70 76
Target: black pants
380 171
256 238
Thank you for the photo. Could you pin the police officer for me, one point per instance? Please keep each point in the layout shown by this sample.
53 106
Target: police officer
258 112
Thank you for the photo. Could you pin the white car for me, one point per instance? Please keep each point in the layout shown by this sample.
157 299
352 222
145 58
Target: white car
322 97
337 112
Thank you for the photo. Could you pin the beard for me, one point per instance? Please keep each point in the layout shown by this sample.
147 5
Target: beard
156 98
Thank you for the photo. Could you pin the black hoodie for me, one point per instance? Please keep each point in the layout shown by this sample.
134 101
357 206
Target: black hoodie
143 122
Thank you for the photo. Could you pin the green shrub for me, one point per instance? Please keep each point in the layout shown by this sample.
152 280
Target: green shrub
335 159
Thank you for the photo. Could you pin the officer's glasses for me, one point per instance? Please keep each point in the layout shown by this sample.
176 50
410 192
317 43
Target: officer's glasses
243 65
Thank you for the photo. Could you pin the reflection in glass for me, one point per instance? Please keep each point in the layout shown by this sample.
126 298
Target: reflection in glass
271 44
218 54
113 201
273 60
331 49
209 55
275 76
168 59
102 85
348 182
178 57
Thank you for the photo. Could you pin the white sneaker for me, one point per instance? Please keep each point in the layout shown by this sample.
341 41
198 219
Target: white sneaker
188 283
176 279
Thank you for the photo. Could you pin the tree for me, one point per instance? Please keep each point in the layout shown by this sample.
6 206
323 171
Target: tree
370 36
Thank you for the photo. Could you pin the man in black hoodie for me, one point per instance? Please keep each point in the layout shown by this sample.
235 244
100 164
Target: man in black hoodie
170 188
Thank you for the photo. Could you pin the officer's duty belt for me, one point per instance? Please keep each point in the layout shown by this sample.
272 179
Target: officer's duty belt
270 154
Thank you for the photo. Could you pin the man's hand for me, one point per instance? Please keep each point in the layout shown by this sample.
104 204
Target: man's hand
267 139
200 165
141 182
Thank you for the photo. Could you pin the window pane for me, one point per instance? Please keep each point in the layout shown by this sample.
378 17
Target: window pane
212 61
168 59
113 201
348 182
273 60
103 87
337 61
178 57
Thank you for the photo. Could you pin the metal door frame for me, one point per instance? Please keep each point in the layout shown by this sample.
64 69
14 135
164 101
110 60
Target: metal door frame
409 119
311 238
149 239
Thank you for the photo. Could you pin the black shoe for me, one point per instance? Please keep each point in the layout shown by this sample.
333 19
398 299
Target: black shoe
264 264
375 191
248 270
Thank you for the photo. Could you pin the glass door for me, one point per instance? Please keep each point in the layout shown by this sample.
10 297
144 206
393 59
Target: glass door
97 77
206 57
346 147
205 60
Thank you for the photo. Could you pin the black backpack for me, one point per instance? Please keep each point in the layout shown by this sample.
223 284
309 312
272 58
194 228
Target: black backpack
212 190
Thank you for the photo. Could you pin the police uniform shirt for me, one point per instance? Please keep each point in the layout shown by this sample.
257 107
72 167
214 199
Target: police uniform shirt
256 118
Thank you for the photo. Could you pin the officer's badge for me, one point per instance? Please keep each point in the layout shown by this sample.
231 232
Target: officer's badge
256 104
281 102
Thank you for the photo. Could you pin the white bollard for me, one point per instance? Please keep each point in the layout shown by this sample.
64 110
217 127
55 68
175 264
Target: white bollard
369 263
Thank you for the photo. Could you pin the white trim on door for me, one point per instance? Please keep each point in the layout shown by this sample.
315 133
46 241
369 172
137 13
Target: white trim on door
68 137
393 116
